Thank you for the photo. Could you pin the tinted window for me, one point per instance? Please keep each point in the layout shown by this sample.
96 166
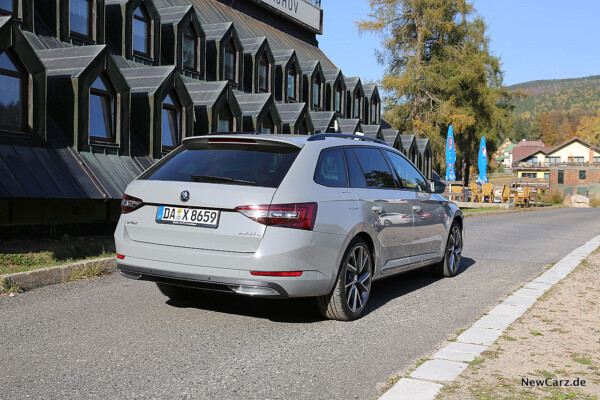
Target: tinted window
357 178
376 170
408 175
260 166
331 169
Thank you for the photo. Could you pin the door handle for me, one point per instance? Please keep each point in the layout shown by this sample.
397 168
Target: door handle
417 209
377 209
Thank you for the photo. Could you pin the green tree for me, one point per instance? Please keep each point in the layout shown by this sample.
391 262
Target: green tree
440 72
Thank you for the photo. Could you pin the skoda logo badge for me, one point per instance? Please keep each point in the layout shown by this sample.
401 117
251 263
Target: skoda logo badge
185 196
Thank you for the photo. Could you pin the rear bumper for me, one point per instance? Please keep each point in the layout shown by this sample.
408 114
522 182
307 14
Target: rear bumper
220 284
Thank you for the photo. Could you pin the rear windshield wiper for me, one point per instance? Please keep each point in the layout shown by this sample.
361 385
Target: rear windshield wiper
209 178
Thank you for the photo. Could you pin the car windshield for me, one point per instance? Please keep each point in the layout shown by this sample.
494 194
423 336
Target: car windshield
228 164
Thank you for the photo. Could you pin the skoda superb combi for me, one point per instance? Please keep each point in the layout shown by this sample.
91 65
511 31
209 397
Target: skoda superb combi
285 216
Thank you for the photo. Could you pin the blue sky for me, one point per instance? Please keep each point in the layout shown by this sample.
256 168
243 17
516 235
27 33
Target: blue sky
535 39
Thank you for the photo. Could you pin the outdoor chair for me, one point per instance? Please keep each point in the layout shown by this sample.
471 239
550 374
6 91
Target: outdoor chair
487 193
505 194
474 192
523 196
456 192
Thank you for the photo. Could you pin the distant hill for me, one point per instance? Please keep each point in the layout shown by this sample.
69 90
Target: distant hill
556 94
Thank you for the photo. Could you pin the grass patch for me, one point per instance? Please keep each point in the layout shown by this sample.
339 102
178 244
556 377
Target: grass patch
7 287
581 360
509 338
28 255
482 209
84 273
535 332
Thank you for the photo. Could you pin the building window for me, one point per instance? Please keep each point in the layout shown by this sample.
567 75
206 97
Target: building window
13 95
263 74
317 93
374 112
142 42
190 49
582 174
357 101
553 160
291 83
268 125
8 6
561 177
225 120
171 123
102 111
596 160
230 62
338 99
578 160
546 175
80 17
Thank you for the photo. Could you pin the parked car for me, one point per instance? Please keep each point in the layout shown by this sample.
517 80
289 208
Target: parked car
285 216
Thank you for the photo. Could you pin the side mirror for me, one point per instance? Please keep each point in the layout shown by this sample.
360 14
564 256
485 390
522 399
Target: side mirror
438 187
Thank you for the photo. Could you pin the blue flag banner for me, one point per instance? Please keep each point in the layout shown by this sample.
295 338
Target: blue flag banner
450 155
482 162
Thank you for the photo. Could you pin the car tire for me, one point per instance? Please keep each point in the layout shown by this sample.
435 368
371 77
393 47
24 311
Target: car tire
448 267
348 299
178 292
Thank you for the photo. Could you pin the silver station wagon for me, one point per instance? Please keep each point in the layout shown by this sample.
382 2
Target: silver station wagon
285 216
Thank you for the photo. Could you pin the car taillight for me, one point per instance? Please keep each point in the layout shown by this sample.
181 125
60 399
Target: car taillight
278 273
130 203
298 216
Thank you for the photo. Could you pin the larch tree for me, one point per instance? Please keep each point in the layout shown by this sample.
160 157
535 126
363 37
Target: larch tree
440 72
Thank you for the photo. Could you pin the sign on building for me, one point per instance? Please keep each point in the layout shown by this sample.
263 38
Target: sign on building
299 11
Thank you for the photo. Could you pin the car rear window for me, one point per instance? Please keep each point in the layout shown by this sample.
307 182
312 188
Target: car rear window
228 164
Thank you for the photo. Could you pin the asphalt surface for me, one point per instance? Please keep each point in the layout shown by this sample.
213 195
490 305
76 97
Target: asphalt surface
111 337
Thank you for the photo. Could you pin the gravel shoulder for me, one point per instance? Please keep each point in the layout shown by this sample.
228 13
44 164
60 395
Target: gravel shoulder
555 341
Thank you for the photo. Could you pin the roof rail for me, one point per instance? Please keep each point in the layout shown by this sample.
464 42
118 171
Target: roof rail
323 136
235 133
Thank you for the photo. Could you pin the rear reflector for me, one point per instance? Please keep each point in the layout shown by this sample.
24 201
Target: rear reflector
298 216
120 256
284 273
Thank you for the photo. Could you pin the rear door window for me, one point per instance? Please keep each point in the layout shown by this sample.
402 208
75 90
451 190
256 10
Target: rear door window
375 168
228 164
331 169
409 177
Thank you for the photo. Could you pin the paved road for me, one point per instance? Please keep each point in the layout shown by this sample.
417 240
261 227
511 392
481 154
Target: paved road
115 338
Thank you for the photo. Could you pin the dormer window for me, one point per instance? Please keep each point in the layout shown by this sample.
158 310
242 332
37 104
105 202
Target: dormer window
230 62
338 99
317 93
357 103
291 83
80 18
226 120
190 49
263 74
268 125
13 95
8 7
171 122
374 112
142 25
102 111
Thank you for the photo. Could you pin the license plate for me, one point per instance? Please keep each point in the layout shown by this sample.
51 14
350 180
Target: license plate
187 216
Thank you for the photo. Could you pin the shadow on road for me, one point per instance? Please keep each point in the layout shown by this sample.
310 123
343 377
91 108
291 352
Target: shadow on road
304 310
393 287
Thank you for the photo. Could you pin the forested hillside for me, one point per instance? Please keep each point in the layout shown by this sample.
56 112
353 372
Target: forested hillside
555 110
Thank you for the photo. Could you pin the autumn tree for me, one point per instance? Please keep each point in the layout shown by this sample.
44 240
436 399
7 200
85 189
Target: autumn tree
440 72
589 129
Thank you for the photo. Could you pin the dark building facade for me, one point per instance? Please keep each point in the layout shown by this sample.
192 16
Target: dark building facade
93 92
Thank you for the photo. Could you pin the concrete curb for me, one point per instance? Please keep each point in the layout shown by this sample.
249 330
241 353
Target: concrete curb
425 382
57 274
